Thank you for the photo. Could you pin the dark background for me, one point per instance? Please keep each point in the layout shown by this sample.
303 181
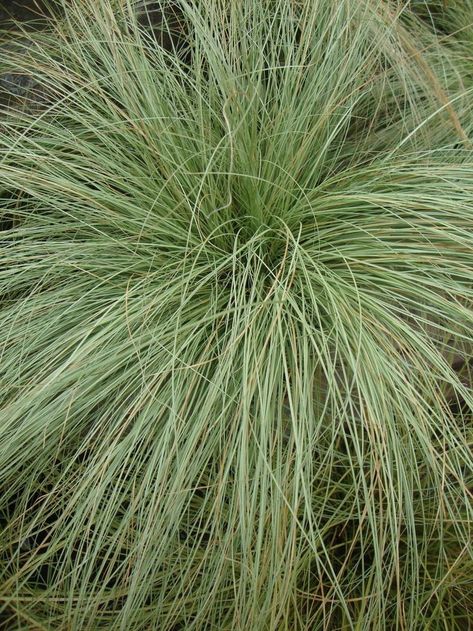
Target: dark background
23 10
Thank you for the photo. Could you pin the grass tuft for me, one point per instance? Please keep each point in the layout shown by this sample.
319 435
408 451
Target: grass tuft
236 315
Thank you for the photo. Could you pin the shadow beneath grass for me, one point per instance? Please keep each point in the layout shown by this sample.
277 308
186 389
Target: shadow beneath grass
29 12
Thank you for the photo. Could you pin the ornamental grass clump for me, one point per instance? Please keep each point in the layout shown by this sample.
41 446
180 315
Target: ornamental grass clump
236 321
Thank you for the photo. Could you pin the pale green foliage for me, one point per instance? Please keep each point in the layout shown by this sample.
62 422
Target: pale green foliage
234 282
